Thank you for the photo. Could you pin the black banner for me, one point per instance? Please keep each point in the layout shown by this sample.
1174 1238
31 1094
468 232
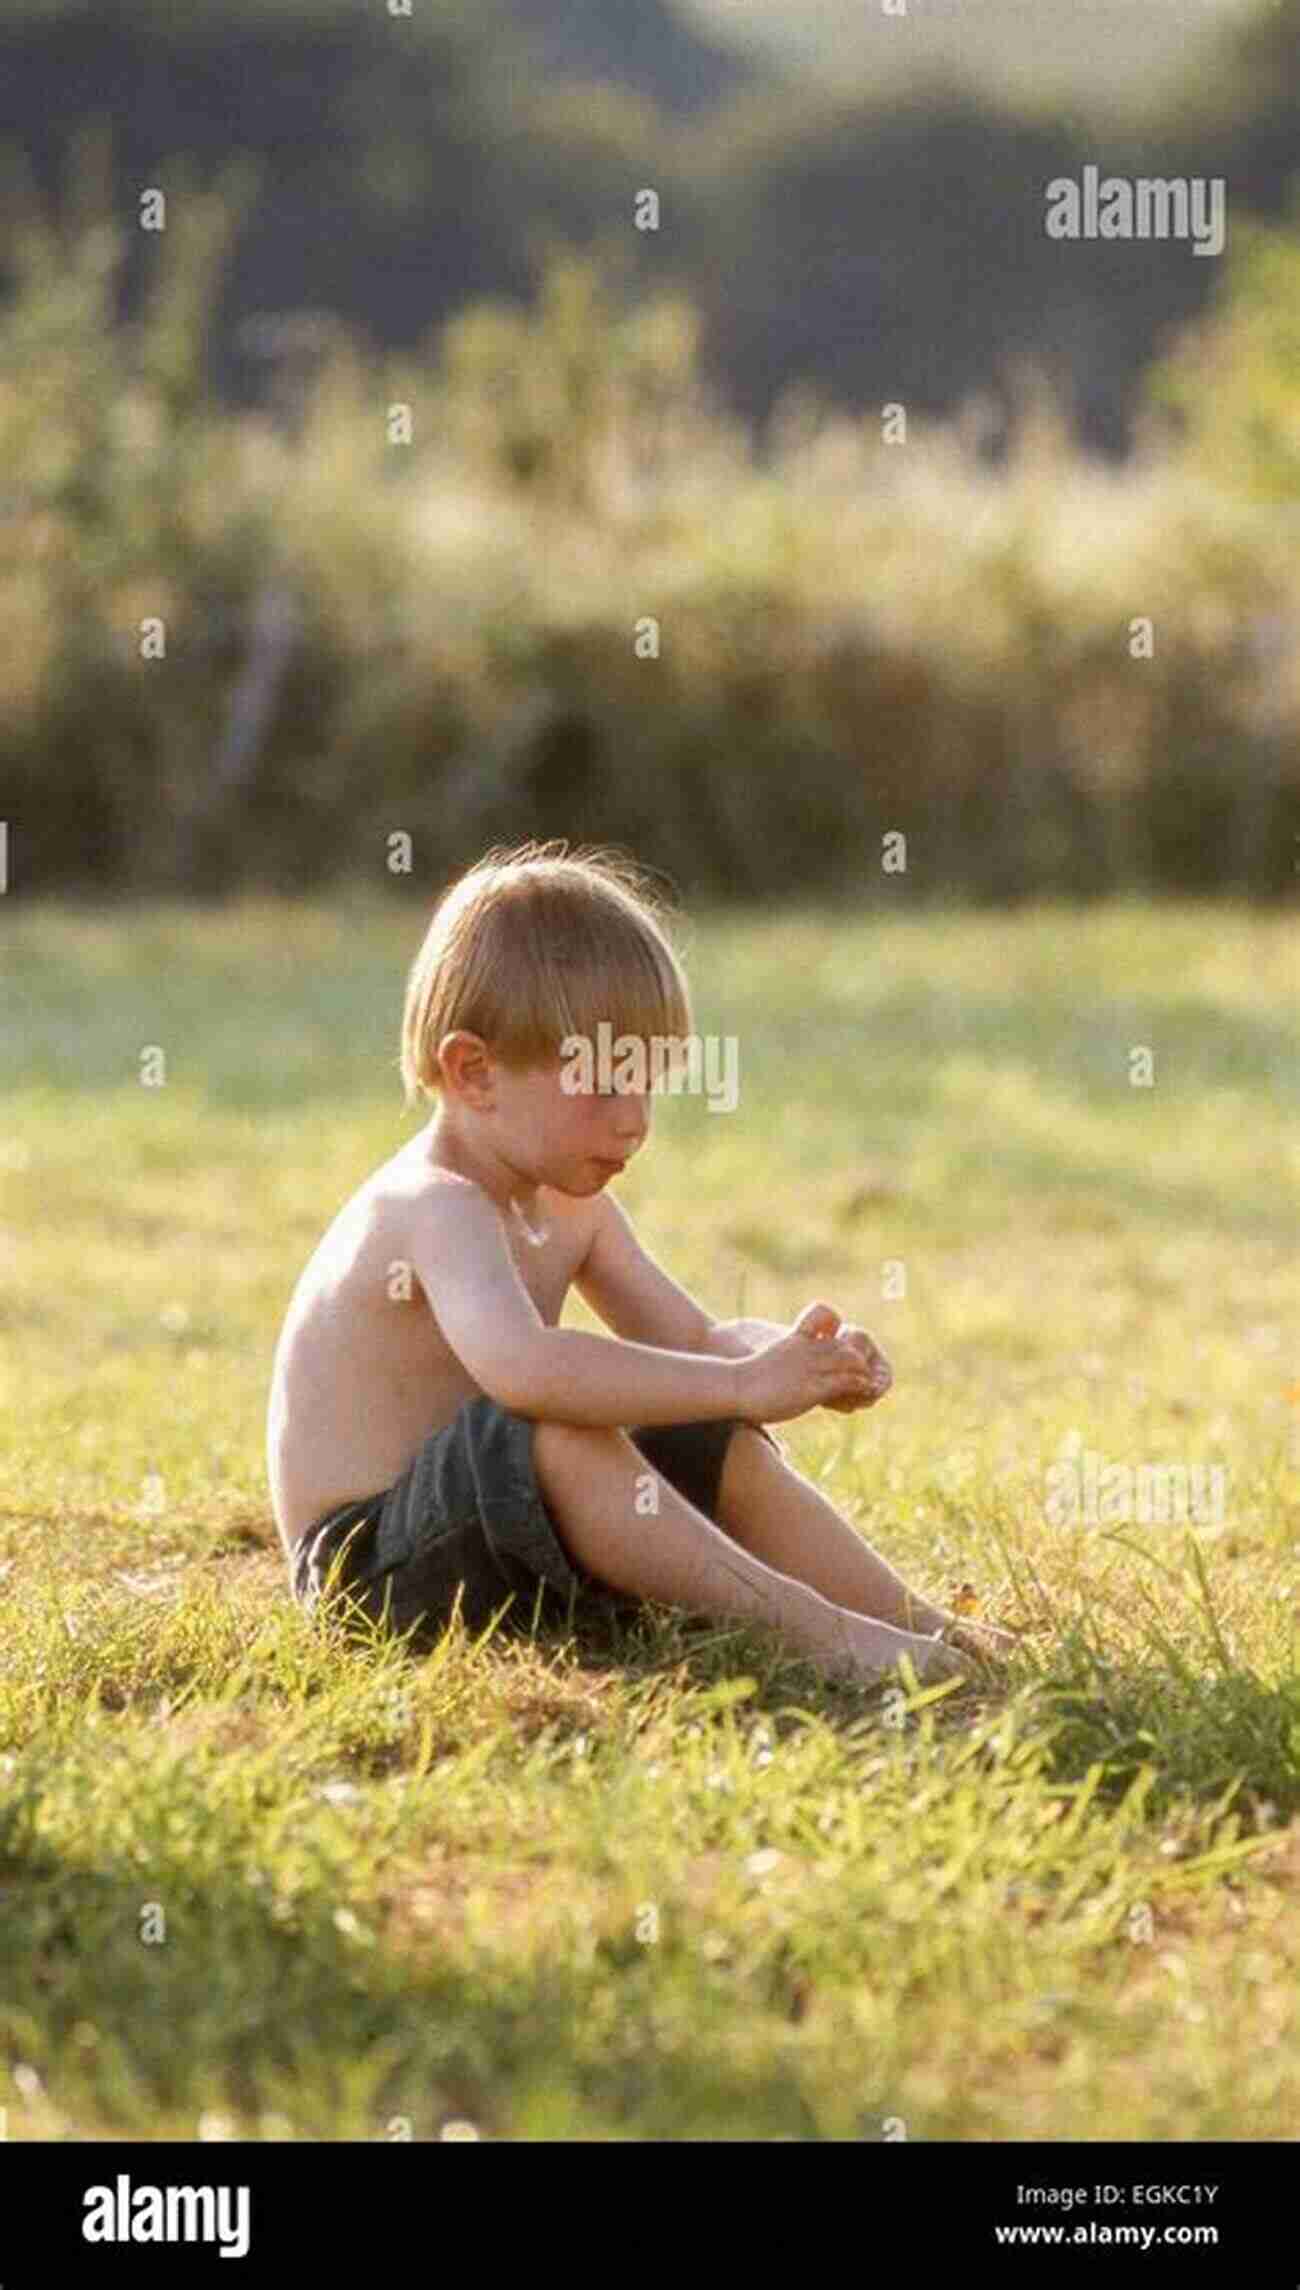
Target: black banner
240 2212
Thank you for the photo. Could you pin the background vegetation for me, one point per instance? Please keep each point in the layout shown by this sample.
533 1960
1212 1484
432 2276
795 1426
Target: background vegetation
446 638
341 508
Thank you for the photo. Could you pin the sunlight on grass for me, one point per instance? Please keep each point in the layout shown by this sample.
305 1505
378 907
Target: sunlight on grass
667 1882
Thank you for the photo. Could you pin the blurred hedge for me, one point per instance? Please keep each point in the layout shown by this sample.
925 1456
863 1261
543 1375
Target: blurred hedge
365 636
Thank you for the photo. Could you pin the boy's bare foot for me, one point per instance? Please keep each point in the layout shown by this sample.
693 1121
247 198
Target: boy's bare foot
865 1652
983 1640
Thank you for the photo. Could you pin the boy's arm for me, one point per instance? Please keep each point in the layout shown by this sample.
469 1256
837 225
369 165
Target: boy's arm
736 1339
637 1299
490 1321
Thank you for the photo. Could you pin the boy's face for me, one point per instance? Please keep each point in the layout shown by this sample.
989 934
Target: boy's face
573 1140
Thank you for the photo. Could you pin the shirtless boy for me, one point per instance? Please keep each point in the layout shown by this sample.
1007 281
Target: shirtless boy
437 1442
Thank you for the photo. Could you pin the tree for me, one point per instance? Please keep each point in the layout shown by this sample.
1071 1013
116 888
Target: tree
1233 378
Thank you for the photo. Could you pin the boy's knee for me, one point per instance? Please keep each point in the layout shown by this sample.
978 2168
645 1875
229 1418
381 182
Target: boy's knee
552 1438
752 1439
749 1448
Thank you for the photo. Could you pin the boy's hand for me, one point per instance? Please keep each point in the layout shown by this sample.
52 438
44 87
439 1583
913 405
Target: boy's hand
821 1321
811 1367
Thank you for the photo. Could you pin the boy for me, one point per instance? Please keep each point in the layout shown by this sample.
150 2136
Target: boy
435 1438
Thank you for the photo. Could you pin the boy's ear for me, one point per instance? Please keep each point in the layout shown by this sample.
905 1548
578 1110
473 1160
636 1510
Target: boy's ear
466 1065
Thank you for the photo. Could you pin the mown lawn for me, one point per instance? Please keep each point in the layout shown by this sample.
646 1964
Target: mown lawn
258 1882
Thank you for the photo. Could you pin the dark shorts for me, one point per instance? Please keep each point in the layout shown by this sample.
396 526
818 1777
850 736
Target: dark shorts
466 1518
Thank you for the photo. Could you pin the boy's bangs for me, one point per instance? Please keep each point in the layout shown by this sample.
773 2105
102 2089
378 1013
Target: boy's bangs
643 998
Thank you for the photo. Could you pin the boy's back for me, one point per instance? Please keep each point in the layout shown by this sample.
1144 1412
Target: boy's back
362 1372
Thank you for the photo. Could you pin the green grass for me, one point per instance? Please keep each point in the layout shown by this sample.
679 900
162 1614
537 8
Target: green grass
669 1883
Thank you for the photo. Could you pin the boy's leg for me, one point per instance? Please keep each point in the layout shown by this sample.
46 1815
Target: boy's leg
781 1518
590 1478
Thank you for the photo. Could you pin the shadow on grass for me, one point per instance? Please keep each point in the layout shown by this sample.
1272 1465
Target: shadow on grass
1219 1734
240 2009
258 1999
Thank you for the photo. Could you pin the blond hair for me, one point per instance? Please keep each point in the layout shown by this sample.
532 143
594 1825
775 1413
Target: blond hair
534 945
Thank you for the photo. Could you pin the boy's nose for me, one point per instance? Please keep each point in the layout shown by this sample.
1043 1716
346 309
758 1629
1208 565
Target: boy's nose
632 1123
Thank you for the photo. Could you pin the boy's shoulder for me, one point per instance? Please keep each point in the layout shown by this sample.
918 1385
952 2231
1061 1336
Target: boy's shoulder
411 1182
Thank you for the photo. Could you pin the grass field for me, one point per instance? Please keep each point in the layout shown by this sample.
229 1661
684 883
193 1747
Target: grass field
669 1884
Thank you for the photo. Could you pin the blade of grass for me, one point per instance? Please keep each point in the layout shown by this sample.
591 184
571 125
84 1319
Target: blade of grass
1216 1634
